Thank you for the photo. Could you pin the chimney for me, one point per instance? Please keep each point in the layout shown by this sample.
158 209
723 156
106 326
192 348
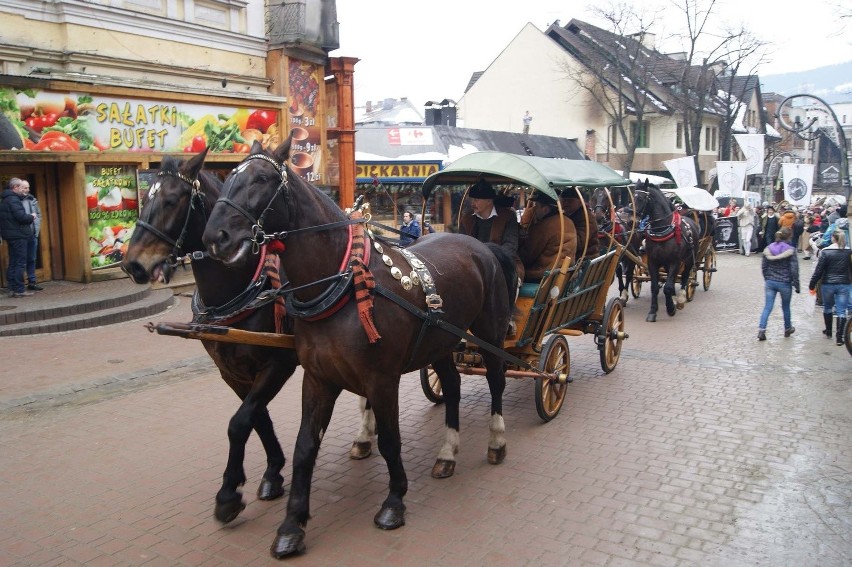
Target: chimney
646 38
369 107
591 144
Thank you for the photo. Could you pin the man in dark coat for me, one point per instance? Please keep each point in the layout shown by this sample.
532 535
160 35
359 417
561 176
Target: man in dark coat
488 222
16 227
541 235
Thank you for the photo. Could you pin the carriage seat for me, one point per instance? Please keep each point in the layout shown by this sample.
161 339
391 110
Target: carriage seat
528 289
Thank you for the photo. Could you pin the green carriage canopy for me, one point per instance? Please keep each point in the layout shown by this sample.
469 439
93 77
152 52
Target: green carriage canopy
544 174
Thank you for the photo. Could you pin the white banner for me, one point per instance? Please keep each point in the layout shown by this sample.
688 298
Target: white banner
798 182
683 171
732 176
752 148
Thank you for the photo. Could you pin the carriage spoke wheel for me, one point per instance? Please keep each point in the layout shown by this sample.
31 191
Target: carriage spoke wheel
636 283
709 267
549 393
691 285
613 335
431 385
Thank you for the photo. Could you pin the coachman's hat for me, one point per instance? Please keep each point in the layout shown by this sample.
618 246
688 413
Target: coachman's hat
482 190
542 198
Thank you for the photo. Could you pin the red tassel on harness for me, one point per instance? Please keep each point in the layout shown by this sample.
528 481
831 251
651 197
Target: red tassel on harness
363 281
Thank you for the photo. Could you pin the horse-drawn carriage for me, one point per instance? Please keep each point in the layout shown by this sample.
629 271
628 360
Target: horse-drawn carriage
569 300
685 225
353 321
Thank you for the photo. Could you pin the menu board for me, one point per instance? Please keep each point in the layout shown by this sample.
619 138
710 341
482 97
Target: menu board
304 80
112 200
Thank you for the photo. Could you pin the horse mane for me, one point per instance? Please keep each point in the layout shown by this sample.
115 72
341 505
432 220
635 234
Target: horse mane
507 263
658 198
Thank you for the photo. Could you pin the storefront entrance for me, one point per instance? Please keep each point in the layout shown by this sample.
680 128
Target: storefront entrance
42 185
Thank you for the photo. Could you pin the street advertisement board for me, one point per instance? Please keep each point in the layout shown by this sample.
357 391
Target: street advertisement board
112 200
306 155
73 121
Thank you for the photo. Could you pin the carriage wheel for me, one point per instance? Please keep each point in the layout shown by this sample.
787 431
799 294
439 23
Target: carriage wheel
709 267
613 335
691 285
549 393
636 284
848 336
431 385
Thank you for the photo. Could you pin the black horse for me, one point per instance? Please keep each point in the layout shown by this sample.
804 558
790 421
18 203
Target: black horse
364 340
671 242
171 224
617 226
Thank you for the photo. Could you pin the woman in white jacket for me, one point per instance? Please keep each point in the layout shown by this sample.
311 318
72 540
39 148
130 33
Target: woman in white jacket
745 221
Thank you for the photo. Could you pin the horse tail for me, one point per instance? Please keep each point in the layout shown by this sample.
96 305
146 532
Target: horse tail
507 263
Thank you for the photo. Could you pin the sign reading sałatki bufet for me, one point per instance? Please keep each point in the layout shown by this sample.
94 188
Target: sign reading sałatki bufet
52 121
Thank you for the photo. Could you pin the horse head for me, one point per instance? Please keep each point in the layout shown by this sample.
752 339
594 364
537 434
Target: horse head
172 219
601 205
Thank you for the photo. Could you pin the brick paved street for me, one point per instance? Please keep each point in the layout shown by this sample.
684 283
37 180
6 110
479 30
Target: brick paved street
703 447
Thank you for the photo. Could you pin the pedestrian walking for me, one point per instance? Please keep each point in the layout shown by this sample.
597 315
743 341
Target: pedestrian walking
410 229
32 207
16 227
745 222
780 268
834 270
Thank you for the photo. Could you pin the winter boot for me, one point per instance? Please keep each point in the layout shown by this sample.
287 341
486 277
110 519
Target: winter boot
829 319
761 335
841 331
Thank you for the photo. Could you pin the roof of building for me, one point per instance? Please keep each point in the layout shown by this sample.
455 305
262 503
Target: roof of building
447 143
622 61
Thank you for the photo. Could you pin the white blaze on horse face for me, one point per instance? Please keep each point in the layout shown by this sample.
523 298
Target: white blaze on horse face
498 432
451 446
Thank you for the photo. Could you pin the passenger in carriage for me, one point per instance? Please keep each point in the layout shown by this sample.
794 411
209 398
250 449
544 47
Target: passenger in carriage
586 236
541 234
490 222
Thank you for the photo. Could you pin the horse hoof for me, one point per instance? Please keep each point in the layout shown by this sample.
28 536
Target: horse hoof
269 490
651 318
443 468
671 311
360 450
390 518
496 456
286 545
228 511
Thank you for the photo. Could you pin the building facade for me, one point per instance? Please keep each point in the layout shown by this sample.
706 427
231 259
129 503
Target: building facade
94 94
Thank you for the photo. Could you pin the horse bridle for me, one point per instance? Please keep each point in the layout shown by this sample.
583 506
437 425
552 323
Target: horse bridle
196 196
258 236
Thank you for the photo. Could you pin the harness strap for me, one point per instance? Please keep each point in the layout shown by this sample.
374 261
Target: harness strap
432 318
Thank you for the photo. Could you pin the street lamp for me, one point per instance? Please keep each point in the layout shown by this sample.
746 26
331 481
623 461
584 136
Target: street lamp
811 129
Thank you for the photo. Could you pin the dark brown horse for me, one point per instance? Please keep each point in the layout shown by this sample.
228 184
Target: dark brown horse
671 242
345 343
171 224
616 227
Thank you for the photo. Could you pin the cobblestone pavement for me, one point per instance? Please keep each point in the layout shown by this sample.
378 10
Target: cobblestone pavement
703 447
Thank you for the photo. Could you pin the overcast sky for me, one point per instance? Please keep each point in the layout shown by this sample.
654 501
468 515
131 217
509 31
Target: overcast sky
428 50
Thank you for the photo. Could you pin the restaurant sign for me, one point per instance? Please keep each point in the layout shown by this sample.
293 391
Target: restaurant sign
72 121
367 172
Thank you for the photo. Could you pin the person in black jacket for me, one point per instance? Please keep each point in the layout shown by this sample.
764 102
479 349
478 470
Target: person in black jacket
17 229
834 268
781 274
